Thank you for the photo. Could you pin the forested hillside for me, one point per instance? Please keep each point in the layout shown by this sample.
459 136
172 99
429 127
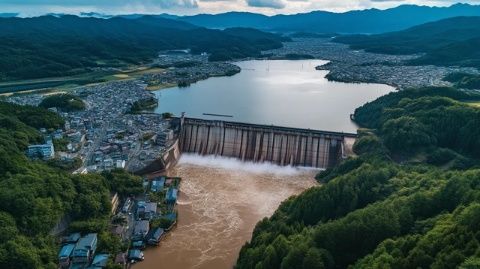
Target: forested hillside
35 196
451 41
57 46
410 199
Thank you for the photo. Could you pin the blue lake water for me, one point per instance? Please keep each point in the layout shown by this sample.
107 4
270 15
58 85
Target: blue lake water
274 92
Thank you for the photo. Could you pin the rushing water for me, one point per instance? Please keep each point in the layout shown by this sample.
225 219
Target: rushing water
278 92
220 202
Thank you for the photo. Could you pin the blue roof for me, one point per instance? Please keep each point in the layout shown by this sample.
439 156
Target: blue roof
171 195
134 253
157 233
100 260
157 184
86 243
66 251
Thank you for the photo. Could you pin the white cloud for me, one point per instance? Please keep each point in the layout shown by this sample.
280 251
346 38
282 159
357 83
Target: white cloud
277 4
270 7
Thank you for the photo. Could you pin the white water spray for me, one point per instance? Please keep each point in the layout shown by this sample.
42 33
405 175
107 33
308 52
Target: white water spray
238 165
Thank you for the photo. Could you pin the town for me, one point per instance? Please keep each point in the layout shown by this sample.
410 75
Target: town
108 135
358 66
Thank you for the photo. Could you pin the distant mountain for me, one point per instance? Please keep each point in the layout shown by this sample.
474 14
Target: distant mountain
363 21
64 45
453 41
8 15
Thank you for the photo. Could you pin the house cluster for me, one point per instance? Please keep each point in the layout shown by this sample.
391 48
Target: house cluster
347 65
142 221
81 252
105 135
149 217
184 68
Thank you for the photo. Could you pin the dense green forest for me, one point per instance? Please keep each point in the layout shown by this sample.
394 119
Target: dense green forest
67 45
464 80
451 41
64 102
35 196
409 199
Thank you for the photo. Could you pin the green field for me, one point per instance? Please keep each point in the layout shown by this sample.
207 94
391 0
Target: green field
71 82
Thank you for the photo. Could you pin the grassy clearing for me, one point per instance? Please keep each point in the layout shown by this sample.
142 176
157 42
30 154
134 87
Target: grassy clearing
475 104
157 87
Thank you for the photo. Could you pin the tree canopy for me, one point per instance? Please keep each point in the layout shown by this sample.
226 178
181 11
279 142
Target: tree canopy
379 211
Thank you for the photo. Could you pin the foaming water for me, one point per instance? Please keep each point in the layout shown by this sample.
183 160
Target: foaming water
220 201
238 165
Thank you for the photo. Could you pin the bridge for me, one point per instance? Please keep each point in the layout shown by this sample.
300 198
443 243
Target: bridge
264 143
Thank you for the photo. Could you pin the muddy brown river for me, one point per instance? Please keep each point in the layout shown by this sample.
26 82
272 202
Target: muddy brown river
219 204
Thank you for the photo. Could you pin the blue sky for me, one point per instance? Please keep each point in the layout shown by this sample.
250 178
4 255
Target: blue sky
269 7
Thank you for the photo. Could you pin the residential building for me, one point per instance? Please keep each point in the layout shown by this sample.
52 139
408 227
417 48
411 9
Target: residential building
85 249
43 151
64 256
141 229
146 211
157 184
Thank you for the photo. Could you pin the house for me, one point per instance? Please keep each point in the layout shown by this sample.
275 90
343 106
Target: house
171 196
157 184
99 261
85 248
108 163
155 236
135 255
43 151
120 164
141 229
64 256
146 211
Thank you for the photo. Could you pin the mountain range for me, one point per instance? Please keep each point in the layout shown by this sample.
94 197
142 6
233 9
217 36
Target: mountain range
452 41
357 21
361 21
65 45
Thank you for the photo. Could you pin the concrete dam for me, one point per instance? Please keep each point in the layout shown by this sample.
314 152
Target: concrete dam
263 143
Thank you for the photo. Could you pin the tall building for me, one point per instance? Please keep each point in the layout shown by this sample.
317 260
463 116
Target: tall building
43 151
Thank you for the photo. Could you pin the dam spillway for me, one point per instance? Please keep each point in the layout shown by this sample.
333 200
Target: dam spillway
264 143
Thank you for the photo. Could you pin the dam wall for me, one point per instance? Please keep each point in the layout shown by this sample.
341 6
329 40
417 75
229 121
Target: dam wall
264 143
166 160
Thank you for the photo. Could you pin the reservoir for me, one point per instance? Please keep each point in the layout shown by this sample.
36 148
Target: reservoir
274 92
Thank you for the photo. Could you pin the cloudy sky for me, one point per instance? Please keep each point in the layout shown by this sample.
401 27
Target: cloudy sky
269 7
